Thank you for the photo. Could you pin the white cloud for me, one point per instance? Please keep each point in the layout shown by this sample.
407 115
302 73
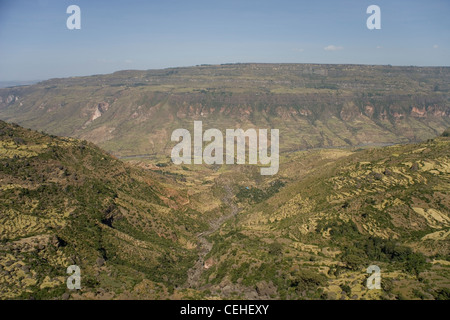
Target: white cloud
379 47
435 46
299 49
128 61
333 48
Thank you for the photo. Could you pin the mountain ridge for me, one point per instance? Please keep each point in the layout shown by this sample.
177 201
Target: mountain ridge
134 112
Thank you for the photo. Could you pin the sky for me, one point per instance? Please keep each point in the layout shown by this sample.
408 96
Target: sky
35 43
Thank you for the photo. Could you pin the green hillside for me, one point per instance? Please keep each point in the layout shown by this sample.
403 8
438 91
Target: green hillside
154 230
65 201
339 212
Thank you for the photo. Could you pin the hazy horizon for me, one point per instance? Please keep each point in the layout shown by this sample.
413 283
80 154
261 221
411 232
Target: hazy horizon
143 35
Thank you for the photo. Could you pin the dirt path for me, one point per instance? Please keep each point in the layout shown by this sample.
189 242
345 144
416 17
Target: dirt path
205 246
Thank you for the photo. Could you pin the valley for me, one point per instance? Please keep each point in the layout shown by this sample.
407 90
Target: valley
364 179
194 274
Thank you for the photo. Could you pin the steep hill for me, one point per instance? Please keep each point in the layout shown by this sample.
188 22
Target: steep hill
65 201
312 231
132 113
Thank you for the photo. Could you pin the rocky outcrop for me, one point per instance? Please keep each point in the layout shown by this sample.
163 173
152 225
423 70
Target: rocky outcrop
419 112
101 108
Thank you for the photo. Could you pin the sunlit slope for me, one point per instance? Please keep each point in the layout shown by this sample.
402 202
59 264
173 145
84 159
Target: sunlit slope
65 201
308 232
338 213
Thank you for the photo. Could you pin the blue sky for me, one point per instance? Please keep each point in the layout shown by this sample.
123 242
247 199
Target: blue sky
148 34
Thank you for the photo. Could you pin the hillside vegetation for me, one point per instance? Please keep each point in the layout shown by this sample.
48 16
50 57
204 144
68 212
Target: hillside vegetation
363 180
139 231
65 201
339 212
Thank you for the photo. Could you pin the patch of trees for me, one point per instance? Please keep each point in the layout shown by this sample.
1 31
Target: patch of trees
256 195
446 133
359 249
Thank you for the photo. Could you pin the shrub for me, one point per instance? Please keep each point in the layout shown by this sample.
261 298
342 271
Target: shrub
353 261
442 294
275 249
307 280
446 133
346 289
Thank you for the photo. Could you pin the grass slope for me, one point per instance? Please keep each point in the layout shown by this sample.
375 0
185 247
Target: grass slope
338 213
65 201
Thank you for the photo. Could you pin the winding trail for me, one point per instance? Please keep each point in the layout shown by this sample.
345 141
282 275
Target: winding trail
205 246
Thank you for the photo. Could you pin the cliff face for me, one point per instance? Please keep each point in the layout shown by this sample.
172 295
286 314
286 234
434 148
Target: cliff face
134 112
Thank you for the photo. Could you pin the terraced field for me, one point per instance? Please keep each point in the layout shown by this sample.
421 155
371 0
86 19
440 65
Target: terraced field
154 230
